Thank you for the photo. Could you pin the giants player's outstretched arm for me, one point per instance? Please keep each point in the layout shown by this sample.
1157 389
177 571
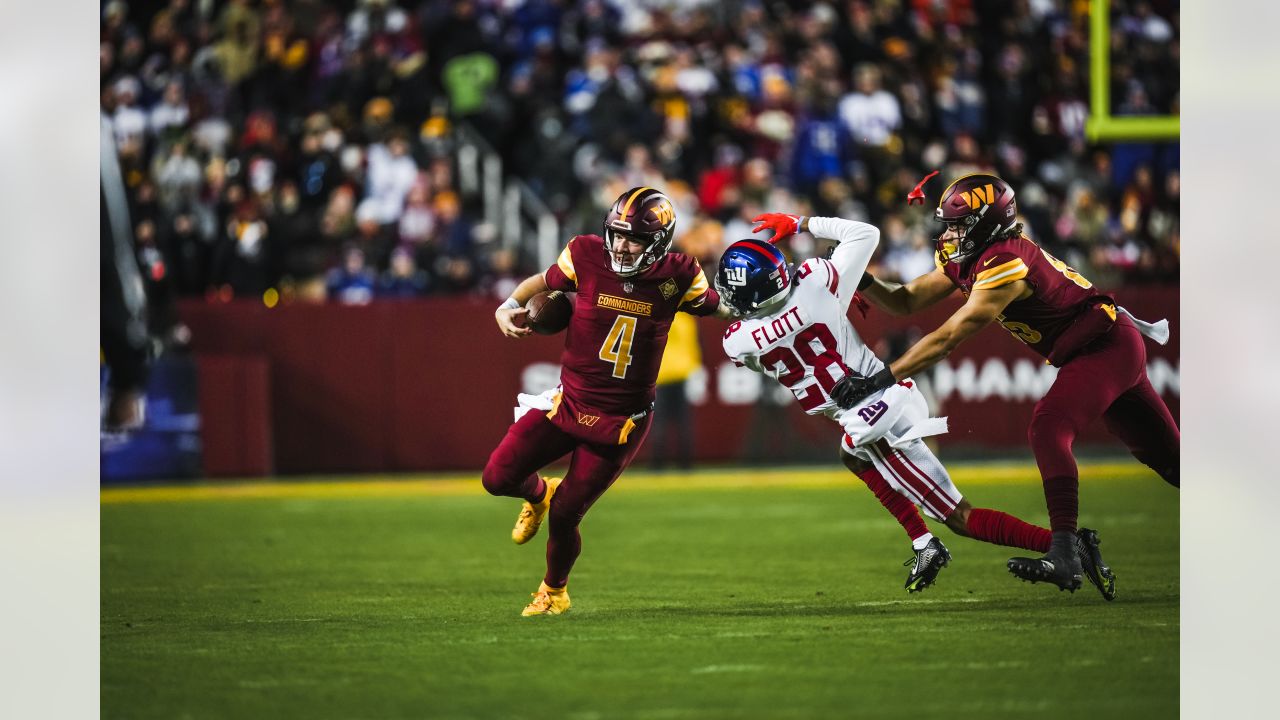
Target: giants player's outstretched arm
513 309
858 242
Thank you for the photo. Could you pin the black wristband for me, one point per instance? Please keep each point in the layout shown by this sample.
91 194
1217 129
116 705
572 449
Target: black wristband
865 282
884 378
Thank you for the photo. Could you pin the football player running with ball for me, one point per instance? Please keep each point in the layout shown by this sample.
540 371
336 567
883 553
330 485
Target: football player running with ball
1097 346
629 287
793 326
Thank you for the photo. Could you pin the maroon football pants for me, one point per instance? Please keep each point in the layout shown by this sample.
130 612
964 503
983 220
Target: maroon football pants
1108 380
534 442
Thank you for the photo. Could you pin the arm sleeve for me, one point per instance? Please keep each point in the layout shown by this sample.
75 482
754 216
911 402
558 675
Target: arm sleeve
562 275
858 242
704 306
700 298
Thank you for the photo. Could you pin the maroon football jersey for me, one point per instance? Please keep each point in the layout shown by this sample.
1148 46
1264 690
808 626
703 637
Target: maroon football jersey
1059 293
615 340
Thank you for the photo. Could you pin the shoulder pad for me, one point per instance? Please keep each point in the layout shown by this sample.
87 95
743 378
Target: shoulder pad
823 271
998 266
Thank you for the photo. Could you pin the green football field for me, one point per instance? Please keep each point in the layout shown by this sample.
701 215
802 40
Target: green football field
740 593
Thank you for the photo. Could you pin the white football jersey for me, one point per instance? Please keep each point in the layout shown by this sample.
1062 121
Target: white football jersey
808 343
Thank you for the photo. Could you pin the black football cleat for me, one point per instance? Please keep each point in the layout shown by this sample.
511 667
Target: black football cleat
926 565
1060 566
1095 569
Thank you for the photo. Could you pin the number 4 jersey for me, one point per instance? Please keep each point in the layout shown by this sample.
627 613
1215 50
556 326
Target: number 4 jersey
614 343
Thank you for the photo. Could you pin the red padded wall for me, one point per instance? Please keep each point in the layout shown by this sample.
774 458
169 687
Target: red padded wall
430 384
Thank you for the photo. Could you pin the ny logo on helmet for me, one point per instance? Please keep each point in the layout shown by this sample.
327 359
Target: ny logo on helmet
664 212
978 196
736 276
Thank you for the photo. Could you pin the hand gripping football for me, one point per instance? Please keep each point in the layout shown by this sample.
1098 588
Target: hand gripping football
549 312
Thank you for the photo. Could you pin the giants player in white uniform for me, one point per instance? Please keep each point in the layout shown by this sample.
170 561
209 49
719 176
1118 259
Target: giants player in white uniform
793 326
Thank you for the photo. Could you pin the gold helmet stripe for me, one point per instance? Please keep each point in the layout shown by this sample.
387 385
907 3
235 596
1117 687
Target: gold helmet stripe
953 183
627 207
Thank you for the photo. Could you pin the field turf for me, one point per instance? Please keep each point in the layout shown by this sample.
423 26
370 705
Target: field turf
742 593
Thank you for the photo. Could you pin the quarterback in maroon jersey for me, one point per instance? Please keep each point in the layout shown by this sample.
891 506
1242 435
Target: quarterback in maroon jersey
1097 346
629 288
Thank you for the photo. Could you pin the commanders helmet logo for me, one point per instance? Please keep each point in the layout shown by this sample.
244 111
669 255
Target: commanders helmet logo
979 196
664 213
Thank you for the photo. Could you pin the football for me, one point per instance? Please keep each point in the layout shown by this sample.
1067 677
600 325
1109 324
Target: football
549 312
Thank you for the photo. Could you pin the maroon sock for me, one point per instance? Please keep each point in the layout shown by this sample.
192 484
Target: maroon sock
1052 436
1002 528
533 488
897 505
1062 496
563 547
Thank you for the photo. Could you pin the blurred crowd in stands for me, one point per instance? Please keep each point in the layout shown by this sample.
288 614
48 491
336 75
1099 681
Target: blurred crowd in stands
309 149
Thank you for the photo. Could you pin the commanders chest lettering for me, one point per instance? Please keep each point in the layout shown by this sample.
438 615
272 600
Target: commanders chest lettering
635 307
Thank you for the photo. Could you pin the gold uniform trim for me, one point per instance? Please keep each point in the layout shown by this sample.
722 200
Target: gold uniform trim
555 405
953 183
998 269
1004 274
613 302
565 261
627 207
698 287
627 427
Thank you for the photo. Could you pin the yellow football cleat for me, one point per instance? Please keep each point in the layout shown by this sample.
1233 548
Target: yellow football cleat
531 516
548 601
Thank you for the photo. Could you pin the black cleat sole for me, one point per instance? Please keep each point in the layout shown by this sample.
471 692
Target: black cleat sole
1032 571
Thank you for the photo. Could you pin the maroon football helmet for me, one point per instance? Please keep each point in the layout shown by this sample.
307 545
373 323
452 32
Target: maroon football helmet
981 208
643 215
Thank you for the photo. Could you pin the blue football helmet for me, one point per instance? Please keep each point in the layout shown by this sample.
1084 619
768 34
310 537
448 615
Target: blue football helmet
753 277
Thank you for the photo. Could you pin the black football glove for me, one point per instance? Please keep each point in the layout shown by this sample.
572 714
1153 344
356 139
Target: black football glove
852 389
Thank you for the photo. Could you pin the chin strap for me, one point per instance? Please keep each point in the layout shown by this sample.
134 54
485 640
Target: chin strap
769 305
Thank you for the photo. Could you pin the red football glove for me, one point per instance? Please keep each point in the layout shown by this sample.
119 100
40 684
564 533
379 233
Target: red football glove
782 225
917 195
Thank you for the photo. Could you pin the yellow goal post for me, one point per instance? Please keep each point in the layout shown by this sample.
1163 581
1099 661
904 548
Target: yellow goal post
1101 126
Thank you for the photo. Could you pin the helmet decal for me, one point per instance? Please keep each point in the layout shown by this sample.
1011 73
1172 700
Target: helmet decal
752 276
979 196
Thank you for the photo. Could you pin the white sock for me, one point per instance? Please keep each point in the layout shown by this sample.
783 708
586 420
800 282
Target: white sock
920 542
